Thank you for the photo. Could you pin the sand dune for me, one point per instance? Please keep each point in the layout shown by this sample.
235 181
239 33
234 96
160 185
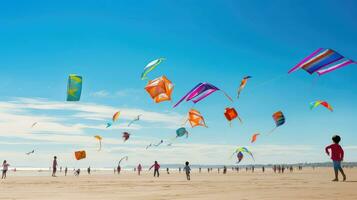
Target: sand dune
305 184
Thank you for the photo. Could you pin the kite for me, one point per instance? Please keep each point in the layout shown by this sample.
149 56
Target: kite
156 145
109 124
80 155
31 152
126 136
116 116
74 88
148 146
240 150
230 114
199 92
99 138
322 61
254 137
123 158
134 120
160 89
195 118
242 84
34 124
279 119
149 67
323 103
181 132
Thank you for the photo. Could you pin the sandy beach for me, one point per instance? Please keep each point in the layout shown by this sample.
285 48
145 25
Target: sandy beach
305 184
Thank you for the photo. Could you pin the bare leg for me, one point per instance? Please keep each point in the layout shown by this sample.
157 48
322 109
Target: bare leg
336 174
343 173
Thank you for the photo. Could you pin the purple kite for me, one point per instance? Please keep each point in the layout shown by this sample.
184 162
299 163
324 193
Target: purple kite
322 61
199 92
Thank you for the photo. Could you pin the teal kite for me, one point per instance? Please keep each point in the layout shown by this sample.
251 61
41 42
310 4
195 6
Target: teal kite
74 87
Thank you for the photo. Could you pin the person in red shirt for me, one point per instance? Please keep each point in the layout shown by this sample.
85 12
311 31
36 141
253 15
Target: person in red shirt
336 152
156 167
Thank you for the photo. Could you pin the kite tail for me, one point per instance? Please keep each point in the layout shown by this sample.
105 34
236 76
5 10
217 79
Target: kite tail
271 131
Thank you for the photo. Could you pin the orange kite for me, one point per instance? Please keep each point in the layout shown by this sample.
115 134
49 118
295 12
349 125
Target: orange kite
195 118
160 89
80 155
254 137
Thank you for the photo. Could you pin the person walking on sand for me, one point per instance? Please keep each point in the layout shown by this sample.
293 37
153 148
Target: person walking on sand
65 171
5 167
337 155
54 166
156 167
167 171
139 169
187 170
118 169
88 170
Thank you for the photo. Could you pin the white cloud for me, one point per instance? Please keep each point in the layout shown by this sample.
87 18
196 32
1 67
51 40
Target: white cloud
100 93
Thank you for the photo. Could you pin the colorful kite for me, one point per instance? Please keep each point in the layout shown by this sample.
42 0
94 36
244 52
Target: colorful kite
254 137
99 138
160 89
323 103
123 158
240 150
242 84
126 136
322 61
134 120
199 92
195 118
230 114
74 88
181 132
149 67
279 120
116 116
80 155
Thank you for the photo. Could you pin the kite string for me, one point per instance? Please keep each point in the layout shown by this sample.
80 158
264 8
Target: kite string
268 81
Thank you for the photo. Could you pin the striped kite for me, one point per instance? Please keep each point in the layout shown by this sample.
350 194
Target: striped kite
74 88
322 61
242 84
199 92
323 103
279 119
240 150
149 67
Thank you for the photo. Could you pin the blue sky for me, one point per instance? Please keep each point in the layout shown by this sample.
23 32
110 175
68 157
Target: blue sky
110 42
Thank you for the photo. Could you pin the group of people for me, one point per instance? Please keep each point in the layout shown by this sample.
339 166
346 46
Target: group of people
334 150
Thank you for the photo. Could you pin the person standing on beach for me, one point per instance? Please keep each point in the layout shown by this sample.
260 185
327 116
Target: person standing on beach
54 166
88 170
187 170
156 167
167 171
118 169
65 171
337 155
5 167
139 169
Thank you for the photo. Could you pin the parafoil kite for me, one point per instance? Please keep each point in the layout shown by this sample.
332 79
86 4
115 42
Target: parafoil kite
116 116
242 84
322 61
240 150
279 119
123 158
137 118
230 114
160 89
195 118
149 67
74 88
181 132
323 103
199 92
126 136
80 155
254 137
99 138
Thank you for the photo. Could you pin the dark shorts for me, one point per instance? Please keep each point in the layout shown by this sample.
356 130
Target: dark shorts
54 169
336 164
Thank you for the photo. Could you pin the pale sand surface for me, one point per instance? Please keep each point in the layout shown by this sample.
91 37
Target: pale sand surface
306 184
